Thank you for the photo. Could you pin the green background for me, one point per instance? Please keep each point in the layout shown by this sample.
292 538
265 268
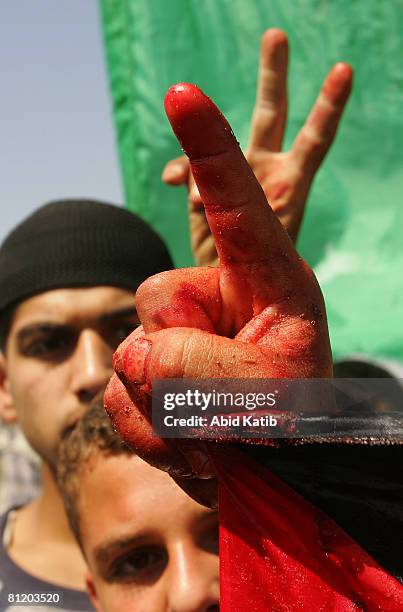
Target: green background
352 233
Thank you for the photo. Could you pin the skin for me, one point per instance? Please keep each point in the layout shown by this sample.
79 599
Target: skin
138 562
260 314
286 176
58 358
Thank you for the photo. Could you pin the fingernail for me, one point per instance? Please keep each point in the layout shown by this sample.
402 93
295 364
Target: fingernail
176 169
172 172
343 68
338 86
132 361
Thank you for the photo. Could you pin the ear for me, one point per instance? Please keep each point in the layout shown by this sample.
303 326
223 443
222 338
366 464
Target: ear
7 410
92 593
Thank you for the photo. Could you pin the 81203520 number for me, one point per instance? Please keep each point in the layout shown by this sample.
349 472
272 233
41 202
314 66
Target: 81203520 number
32 598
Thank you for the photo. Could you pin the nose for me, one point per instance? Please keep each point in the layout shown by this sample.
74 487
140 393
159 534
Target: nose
91 365
193 580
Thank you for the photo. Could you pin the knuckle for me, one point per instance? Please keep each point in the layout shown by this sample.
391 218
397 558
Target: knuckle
152 285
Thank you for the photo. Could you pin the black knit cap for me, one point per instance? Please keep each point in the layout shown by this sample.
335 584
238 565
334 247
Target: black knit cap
78 243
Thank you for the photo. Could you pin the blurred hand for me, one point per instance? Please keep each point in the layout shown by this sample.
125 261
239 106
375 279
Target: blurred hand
286 177
260 314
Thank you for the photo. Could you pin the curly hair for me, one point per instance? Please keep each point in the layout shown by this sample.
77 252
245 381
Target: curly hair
92 434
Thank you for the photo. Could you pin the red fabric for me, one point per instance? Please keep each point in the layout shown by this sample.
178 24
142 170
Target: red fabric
280 553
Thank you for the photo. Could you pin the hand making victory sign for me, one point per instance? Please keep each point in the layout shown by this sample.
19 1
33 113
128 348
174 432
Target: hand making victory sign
286 176
259 314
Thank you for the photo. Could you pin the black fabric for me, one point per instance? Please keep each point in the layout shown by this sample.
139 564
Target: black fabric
78 243
358 485
14 579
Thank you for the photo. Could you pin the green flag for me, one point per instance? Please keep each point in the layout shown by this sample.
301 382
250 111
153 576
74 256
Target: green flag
353 225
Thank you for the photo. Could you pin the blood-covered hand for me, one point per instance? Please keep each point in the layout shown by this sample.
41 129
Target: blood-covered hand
286 177
260 314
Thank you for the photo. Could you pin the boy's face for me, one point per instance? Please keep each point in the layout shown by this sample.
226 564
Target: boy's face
59 357
148 545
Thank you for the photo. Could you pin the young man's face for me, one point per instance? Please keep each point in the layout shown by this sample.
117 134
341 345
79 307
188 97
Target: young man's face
59 357
149 546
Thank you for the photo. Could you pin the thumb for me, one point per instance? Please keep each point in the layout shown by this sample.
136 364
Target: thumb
172 353
176 171
182 352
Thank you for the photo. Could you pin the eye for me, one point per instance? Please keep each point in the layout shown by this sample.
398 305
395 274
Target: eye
142 566
120 330
49 345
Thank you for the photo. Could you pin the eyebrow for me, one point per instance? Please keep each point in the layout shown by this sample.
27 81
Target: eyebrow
49 326
103 551
120 313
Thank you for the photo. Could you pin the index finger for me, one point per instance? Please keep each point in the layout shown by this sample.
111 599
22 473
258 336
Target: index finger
245 229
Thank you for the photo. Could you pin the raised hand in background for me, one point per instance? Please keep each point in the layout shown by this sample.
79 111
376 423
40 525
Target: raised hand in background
285 176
